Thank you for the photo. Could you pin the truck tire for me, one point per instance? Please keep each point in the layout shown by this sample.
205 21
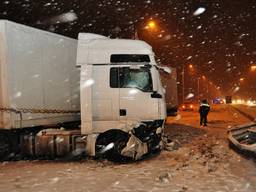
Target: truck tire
110 144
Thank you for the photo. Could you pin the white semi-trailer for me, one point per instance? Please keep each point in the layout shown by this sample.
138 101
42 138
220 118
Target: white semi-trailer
122 108
39 83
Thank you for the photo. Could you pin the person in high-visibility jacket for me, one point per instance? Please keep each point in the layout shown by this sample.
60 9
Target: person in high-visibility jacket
204 110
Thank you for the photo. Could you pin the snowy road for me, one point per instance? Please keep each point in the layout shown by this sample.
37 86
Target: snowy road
203 162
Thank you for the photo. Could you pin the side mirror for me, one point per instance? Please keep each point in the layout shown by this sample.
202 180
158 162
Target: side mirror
156 95
165 69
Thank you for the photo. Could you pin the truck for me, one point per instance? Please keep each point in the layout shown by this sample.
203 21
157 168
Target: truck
169 81
94 96
228 99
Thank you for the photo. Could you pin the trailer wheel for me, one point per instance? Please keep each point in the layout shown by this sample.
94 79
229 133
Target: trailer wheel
110 144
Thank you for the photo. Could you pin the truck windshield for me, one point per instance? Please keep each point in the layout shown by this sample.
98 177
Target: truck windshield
125 77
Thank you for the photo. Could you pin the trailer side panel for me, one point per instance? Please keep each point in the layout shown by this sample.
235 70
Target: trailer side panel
41 76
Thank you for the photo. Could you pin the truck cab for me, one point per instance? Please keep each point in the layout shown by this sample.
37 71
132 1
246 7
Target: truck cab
122 98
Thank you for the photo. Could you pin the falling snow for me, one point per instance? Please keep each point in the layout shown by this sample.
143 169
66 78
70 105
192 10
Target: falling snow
207 34
199 11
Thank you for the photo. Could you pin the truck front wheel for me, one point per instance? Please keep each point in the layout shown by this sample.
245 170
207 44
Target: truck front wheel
110 144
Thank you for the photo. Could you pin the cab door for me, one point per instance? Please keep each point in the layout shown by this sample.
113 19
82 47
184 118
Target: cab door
105 96
137 99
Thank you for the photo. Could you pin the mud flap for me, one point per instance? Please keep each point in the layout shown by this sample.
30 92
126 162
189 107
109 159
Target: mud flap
135 148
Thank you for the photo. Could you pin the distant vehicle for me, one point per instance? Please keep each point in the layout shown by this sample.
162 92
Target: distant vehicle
188 106
228 99
218 101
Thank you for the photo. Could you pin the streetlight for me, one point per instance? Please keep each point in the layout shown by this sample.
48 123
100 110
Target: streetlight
241 79
253 68
152 28
151 25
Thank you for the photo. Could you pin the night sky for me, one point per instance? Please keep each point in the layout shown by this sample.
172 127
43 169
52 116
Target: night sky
217 36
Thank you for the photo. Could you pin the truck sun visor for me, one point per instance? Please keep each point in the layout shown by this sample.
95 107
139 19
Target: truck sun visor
124 58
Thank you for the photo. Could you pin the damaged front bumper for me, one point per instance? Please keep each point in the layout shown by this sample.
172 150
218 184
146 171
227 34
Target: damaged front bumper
144 139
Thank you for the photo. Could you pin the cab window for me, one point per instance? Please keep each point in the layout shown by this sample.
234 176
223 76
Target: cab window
125 77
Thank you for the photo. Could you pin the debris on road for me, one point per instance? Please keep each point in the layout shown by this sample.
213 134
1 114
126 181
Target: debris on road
243 137
170 145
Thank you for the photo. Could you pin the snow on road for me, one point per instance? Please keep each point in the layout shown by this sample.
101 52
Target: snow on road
203 162
247 109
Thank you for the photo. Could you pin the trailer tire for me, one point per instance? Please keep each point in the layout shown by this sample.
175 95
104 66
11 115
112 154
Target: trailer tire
119 140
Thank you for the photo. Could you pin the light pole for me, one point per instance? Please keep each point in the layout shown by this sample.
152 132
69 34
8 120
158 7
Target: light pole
191 68
252 84
136 36
198 89
183 84
207 86
135 32
207 90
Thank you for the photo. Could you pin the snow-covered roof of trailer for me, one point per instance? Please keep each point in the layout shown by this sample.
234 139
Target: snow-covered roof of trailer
97 49
28 29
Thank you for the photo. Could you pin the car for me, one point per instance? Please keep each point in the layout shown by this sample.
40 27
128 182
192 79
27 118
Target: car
188 106
218 101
